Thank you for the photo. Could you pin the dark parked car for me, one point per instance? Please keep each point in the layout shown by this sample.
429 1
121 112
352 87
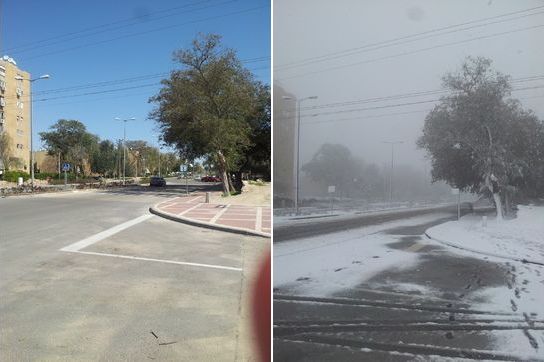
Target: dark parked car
157 181
210 179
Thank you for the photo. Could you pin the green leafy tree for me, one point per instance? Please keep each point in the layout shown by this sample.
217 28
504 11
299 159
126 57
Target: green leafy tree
103 160
70 139
203 108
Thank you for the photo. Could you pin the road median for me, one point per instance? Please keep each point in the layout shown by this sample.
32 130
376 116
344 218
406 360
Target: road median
239 219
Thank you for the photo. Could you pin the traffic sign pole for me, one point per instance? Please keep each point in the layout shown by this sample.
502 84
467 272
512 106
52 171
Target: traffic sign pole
65 168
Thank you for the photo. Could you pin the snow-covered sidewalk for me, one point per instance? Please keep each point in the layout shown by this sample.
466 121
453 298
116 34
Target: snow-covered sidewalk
519 239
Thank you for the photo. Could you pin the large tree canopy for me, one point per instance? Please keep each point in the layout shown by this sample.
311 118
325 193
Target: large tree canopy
205 108
478 138
70 139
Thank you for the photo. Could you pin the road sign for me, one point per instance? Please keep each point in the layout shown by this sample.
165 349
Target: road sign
65 167
183 168
455 191
332 189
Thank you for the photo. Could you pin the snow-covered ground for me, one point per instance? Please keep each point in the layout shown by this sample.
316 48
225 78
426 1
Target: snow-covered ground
521 238
322 265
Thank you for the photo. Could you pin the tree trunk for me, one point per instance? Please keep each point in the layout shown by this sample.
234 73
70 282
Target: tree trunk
496 197
498 205
238 184
507 207
223 171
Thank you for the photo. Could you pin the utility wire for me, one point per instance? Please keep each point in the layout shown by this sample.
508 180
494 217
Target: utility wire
398 96
413 51
133 21
393 42
404 95
388 106
388 114
149 31
125 80
109 90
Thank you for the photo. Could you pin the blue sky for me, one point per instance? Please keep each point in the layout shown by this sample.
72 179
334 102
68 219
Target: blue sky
75 42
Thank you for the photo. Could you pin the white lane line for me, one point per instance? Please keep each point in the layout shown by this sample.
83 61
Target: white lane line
159 260
105 234
219 214
189 209
259 220
173 201
193 199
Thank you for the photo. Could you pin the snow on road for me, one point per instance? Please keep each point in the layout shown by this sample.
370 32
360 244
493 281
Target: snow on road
323 265
520 238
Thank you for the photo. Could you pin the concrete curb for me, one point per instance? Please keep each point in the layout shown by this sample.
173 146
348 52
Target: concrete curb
184 220
457 246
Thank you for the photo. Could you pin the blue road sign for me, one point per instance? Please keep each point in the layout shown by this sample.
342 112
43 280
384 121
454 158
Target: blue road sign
66 166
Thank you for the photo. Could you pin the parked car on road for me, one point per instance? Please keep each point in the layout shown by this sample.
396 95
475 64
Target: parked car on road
157 181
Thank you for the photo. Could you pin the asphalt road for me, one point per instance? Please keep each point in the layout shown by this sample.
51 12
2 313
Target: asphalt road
430 310
134 286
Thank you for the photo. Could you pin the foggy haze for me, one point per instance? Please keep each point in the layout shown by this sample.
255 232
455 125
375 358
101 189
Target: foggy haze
306 30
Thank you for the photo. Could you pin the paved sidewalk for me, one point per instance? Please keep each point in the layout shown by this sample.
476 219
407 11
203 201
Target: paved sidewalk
245 219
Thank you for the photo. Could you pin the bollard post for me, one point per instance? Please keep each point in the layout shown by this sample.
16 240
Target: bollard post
207 197
484 221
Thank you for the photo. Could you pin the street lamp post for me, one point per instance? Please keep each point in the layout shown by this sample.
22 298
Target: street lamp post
30 81
392 143
297 159
159 162
124 142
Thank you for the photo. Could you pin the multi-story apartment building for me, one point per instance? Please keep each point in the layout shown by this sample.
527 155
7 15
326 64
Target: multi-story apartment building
15 113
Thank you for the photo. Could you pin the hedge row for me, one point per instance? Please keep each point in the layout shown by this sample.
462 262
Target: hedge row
13 176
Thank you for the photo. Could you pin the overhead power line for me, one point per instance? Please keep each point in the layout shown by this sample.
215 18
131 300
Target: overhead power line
540 26
127 80
394 105
230 14
105 27
409 95
35 100
404 95
361 118
403 40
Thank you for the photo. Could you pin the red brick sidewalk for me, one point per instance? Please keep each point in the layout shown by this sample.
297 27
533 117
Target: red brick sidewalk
238 218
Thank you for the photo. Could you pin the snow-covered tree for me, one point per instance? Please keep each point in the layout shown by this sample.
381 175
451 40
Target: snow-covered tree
477 136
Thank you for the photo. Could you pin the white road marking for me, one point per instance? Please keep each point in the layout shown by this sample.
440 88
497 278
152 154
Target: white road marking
189 209
172 201
259 220
193 199
158 260
219 214
105 234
